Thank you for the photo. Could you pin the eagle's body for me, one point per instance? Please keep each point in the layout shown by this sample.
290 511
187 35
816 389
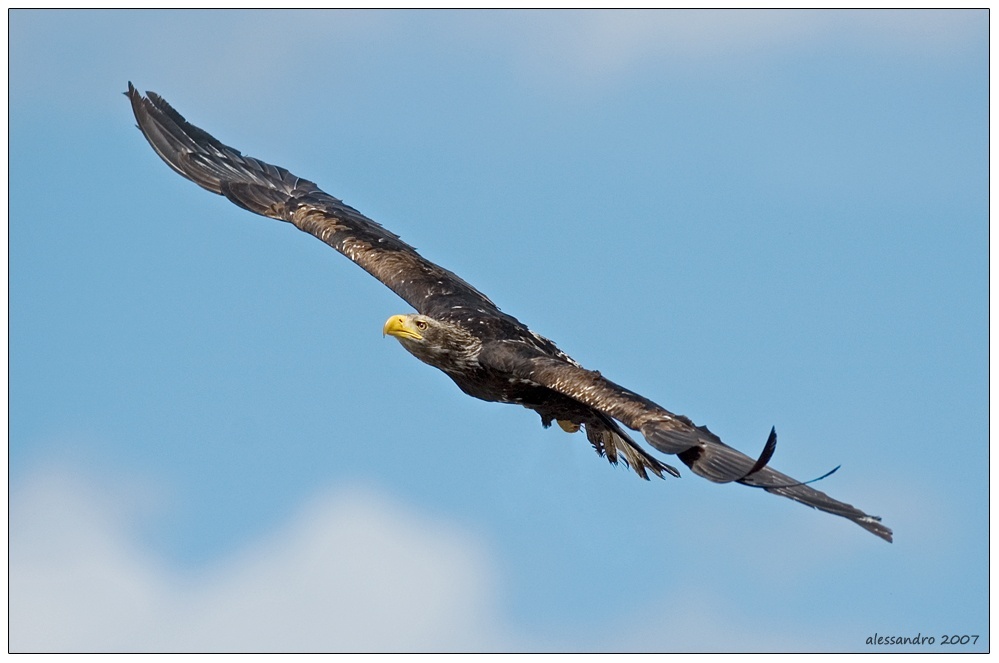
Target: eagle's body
490 355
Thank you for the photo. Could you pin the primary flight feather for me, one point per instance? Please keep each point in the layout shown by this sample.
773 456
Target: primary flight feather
490 355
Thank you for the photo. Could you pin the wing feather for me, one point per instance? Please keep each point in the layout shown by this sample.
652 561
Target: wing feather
674 433
710 460
274 192
700 449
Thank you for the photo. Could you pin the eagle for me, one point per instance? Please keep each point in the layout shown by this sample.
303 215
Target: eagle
457 329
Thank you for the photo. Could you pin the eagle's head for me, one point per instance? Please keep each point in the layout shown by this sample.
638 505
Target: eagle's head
444 345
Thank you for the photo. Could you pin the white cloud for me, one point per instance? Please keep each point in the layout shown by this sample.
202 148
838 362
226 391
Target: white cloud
352 571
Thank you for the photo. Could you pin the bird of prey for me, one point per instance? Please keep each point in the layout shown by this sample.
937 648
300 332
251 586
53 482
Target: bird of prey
489 354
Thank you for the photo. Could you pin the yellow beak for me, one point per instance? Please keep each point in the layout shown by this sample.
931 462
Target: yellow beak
400 327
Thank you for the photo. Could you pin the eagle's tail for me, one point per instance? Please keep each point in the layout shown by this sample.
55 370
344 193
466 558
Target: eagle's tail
610 440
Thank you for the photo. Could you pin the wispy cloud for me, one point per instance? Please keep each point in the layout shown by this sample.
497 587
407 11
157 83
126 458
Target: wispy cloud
581 51
596 48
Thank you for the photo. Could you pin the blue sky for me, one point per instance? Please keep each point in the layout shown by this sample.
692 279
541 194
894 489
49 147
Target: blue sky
754 219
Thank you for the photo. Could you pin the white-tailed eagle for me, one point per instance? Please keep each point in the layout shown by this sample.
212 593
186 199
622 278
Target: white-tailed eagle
490 355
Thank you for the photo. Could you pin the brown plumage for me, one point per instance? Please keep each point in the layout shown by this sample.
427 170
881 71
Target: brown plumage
490 355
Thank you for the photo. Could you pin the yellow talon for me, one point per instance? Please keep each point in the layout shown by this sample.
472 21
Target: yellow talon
568 426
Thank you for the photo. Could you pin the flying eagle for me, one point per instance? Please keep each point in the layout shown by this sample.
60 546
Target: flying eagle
490 355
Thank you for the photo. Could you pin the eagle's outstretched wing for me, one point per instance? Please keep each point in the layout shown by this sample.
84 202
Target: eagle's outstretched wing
274 192
700 449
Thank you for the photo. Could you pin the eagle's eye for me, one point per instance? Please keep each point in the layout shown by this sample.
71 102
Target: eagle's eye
421 324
